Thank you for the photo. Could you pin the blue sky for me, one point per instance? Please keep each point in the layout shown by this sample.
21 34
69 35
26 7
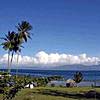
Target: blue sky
62 26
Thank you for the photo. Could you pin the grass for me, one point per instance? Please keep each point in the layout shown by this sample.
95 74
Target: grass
52 93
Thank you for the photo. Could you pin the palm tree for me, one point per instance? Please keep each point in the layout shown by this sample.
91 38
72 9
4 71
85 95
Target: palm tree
12 44
23 29
8 45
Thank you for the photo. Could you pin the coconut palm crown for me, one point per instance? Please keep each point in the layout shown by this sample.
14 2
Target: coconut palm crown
23 29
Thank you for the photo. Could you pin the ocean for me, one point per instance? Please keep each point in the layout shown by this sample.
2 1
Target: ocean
87 75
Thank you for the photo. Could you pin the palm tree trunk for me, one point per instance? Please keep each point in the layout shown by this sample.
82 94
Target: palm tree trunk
11 60
17 63
12 57
8 61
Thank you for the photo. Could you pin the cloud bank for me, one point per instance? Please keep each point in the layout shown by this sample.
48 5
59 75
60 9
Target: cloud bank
53 59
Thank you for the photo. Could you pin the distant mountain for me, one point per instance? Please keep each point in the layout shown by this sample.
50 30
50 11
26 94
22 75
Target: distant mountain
78 67
64 67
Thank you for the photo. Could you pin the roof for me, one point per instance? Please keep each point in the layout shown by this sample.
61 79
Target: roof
70 81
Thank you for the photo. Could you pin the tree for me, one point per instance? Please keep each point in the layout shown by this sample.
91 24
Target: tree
8 45
23 29
78 77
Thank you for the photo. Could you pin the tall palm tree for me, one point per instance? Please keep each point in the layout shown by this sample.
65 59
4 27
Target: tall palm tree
8 45
23 29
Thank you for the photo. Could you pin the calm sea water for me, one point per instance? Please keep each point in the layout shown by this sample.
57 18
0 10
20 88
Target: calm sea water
87 75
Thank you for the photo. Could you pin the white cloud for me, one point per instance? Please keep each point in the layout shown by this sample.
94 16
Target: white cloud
53 59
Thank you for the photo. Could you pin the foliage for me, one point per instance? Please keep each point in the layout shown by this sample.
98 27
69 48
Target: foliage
78 77
13 40
23 29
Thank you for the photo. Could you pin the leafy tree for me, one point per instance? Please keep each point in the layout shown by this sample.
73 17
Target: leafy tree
78 77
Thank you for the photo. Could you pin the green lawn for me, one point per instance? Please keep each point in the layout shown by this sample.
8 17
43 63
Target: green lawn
48 93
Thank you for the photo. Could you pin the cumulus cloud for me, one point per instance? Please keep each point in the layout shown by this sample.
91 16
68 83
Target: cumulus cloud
53 59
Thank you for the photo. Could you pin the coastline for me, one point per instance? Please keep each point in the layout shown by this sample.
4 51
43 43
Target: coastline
90 78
